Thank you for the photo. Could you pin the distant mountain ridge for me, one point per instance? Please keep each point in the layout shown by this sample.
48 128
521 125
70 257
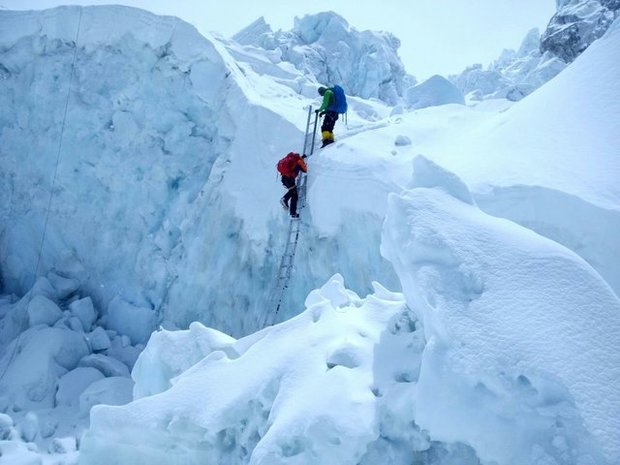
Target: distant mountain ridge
515 74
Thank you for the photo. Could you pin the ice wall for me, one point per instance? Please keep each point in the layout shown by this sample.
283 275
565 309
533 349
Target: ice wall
164 194
137 206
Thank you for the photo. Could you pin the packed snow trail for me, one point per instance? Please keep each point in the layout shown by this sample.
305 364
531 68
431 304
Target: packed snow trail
288 257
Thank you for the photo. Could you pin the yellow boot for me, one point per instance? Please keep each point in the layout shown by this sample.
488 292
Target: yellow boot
328 138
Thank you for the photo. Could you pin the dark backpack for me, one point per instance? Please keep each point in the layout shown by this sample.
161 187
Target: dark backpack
286 166
340 100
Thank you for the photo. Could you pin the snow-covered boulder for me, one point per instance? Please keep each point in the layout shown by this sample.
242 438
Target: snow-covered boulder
6 426
135 322
64 445
42 311
107 365
19 453
28 427
64 286
436 90
169 354
35 361
72 384
85 311
99 339
116 390
402 141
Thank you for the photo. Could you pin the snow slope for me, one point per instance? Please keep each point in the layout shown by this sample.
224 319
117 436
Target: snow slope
547 162
516 325
576 24
572 139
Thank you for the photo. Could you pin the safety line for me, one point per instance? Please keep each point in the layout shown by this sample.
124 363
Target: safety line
49 203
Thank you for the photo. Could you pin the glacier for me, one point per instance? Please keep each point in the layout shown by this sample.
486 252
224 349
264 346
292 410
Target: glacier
140 232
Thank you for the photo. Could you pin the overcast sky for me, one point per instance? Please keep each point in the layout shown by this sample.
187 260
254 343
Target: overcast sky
437 36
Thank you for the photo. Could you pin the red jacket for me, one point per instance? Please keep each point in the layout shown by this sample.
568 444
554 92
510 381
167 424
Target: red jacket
291 165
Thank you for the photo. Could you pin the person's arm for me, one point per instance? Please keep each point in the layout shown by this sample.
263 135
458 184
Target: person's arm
302 165
327 99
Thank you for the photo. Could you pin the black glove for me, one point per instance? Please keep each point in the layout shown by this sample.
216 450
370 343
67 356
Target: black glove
322 113
316 111
304 156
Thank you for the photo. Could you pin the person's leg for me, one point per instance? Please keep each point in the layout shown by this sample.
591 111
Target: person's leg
327 128
293 202
289 183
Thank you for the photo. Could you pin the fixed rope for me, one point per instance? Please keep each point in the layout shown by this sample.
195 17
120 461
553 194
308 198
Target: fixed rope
287 260
53 186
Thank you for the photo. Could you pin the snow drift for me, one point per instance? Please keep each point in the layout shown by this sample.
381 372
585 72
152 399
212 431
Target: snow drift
508 316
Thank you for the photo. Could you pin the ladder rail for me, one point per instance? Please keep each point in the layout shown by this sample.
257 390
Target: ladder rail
287 260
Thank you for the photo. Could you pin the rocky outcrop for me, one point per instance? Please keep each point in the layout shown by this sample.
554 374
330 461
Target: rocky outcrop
576 24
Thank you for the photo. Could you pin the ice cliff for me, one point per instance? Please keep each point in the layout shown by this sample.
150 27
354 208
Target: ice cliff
161 153
365 63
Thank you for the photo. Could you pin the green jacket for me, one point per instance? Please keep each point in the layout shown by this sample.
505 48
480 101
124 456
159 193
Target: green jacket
328 99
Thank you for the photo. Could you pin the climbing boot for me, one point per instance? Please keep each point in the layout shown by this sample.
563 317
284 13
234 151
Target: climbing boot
328 138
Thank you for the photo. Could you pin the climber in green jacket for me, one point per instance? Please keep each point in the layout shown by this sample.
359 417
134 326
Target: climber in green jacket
331 116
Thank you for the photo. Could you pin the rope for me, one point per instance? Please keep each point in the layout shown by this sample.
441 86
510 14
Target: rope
49 202
62 133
